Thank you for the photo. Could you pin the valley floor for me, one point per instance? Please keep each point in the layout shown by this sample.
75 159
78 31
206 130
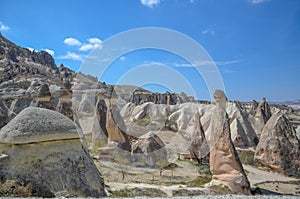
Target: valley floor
188 180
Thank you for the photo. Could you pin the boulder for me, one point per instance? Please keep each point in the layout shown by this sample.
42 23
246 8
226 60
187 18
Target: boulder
225 164
44 91
42 150
279 147
149 150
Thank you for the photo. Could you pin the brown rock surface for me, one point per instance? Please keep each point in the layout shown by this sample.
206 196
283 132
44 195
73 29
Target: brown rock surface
279 147
115 128
225 164
199 148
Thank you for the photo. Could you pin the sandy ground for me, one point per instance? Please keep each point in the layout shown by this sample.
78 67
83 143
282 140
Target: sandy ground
256 175
171 181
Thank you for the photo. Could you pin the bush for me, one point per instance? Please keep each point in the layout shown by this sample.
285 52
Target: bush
246 157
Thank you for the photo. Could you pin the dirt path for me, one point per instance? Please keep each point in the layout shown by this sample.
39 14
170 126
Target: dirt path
169 190
257 175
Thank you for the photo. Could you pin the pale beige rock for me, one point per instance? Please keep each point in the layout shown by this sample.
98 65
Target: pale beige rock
225 164
44 151
149 150
279 147
36 125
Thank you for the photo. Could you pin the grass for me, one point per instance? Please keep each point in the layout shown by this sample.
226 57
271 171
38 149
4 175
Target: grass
144 121
145 192
246 157
12 189
199 181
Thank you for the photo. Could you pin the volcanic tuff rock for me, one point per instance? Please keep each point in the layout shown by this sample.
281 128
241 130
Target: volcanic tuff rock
42 149
115 128
263 111
225 164
199 148
278 147
149 150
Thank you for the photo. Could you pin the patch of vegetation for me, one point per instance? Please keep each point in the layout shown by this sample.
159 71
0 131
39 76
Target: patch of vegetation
170 125
199 181
246 157
145 192
184 192
144 121
13 189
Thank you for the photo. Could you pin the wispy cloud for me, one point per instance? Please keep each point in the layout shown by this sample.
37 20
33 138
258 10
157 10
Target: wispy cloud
257 1
3 27
208 31
51 52
72 41
150 3
206 63
72 56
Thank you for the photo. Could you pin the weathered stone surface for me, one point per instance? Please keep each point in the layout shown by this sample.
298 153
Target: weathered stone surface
243 130
263 111
45 153
225 164
199 148
149 150
99 132
37 125
115 128
44 91
279 147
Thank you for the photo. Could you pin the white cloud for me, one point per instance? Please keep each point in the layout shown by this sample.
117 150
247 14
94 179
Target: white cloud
150 3
3 27
122 58
209 31
51 52
94 40
257 1
72 42
73 56
206 63
86 47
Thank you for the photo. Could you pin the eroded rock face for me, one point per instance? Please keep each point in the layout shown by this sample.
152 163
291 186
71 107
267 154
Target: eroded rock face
263 111
115 127
279 147
149 150
41 148
199 148
225 164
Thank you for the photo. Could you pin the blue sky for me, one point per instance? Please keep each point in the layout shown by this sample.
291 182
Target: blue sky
254 43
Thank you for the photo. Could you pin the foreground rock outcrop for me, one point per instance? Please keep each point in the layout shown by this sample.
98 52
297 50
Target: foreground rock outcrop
279 147
225 164
41 149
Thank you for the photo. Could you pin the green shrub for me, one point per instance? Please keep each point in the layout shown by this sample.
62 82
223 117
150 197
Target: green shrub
144 121
246 157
